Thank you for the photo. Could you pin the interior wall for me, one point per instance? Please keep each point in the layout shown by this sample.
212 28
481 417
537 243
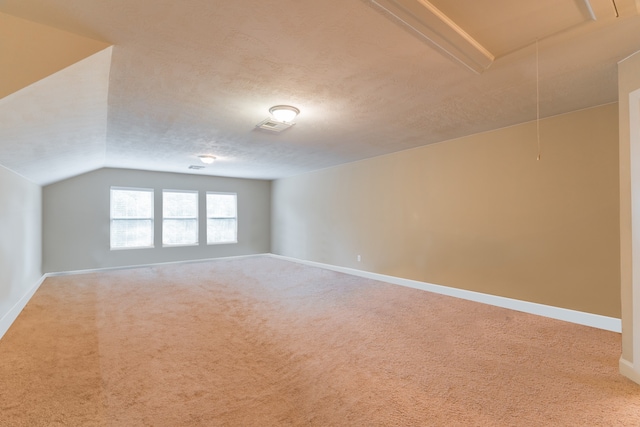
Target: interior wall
477 213
37 51
629 82
20 240
76 219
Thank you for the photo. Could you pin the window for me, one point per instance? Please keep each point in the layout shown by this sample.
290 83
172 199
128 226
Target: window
131 218
179 218
222 221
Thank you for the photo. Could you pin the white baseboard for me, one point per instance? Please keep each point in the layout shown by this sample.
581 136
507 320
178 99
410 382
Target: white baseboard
588 319
7 320
10 316
126 267
573 316
627 369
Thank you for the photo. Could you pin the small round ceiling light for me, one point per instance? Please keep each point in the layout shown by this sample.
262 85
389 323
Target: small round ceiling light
284 113
206 159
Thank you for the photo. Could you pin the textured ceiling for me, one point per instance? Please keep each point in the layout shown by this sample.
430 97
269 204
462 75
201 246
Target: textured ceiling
57 127
190 78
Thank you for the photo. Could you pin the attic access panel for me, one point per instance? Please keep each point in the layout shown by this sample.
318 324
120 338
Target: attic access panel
503 26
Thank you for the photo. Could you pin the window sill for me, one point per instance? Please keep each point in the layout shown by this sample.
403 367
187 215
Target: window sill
132 247
180 245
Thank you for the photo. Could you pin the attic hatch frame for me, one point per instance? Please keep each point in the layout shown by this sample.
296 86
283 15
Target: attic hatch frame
440 31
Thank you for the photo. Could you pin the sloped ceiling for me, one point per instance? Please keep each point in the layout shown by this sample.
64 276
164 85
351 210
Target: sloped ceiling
190 78
31 52
56 128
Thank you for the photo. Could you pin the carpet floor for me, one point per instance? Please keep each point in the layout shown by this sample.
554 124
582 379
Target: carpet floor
260 341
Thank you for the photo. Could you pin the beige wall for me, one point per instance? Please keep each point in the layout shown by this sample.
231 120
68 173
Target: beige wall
76 219
628 81
477 213
20 241
30 52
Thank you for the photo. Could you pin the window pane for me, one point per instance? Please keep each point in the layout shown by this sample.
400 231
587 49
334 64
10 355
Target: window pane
180 218
221 230
131 233
179 204
180 232
131 218
222 222
221 205
131 204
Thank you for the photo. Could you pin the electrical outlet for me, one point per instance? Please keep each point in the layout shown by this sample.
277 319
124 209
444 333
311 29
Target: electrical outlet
359 258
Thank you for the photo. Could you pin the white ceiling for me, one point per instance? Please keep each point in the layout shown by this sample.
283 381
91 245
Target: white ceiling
190 78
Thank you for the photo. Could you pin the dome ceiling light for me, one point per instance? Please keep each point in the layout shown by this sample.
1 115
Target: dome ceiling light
207 159
284 113
282 117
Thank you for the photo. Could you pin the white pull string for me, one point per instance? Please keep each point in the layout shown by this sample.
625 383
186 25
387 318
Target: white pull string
538 99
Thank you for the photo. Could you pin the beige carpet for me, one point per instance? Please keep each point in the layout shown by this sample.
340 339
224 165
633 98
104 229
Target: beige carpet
265 342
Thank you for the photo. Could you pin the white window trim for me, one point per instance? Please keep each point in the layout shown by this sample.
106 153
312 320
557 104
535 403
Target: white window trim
197 218
111 219
230 242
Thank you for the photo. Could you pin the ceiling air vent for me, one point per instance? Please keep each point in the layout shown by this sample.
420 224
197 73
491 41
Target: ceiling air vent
197 167
273 125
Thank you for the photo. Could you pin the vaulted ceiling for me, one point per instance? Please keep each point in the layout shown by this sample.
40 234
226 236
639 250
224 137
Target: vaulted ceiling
152 84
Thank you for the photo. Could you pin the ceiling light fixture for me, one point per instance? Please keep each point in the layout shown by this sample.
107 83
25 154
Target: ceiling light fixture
206 159
284 113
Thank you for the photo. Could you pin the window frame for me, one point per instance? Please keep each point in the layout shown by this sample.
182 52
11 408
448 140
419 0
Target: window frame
112 219
197 219
229 242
